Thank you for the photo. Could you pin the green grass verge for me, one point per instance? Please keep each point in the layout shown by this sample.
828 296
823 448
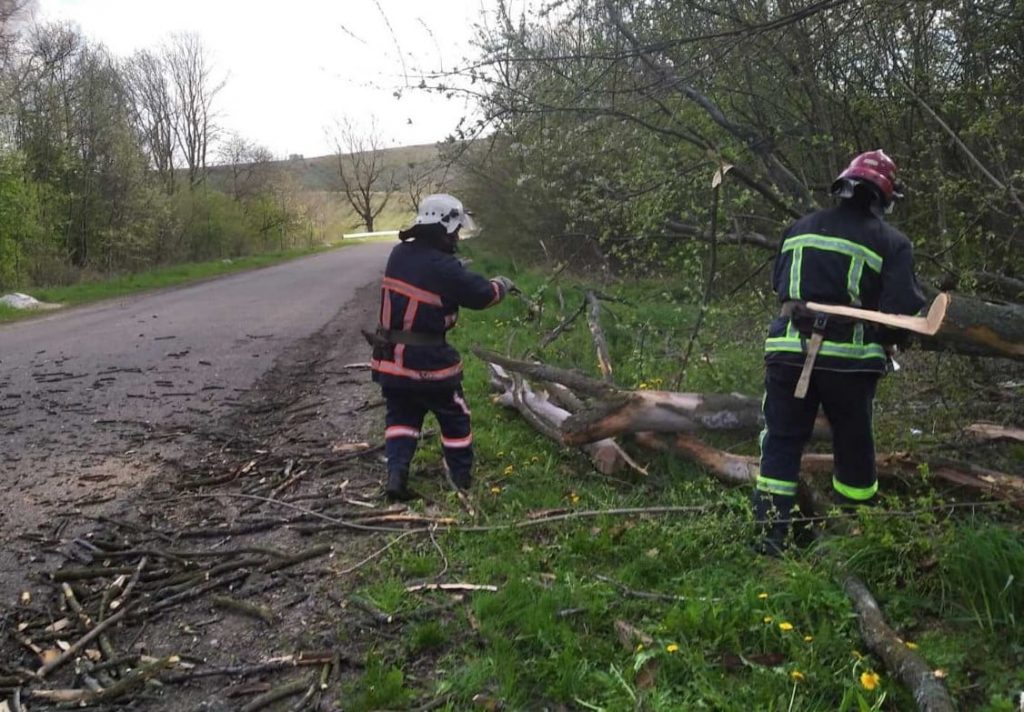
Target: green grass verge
170 276
730 631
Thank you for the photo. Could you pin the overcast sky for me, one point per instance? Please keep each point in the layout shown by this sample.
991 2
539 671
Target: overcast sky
293 67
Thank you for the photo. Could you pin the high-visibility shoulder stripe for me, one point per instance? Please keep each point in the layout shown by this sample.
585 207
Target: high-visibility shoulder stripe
853 276
393 369
795 271
835 244
412 291
838 349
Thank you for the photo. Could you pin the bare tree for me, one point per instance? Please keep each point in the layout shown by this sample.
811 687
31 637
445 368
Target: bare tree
248 164
152 105
423 178
194 91
364 178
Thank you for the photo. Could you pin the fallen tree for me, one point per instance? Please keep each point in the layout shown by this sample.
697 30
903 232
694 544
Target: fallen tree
666 421
615 411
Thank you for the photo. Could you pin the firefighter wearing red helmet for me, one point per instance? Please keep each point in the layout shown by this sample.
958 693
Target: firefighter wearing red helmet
847 255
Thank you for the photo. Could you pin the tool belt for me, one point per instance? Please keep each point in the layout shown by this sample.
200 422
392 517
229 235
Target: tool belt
800 315
383 341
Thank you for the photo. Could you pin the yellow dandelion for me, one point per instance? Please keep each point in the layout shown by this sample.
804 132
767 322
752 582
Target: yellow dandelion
510 469
808 638
574 498
495 490
940 674
768 619
912 646
797 676
672 648
785 627
762 595
870 680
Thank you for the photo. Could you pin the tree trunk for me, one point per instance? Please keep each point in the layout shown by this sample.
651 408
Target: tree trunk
743 469
976 327
546 417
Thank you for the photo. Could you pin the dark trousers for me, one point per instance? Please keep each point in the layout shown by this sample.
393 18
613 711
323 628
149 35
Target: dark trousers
406 409
847 400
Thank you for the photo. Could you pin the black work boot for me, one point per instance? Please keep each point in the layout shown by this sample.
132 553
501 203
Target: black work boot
772 516
397 489
460 482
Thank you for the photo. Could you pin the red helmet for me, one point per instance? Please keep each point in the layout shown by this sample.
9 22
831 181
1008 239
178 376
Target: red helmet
876 168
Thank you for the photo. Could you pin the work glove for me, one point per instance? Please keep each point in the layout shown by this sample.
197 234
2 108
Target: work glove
506 284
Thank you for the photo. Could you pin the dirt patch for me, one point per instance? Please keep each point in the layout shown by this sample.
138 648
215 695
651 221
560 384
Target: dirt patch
225 575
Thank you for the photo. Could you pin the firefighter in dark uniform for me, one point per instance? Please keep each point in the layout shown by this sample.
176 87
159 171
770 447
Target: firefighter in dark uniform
418 370
846 255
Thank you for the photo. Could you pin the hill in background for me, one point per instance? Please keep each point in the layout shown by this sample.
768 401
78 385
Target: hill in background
316 183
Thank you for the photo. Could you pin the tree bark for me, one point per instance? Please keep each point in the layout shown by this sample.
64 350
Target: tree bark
664 412
575 380
976 327
743 469
546 417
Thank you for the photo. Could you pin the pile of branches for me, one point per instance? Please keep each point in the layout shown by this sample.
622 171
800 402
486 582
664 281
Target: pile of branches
76 650
185 561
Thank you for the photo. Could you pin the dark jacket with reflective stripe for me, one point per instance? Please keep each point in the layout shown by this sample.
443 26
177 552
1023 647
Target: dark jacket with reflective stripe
842 255
422 291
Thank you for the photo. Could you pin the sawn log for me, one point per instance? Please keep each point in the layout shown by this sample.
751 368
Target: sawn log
954 322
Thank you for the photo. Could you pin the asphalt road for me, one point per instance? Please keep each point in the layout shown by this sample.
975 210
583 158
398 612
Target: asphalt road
81 388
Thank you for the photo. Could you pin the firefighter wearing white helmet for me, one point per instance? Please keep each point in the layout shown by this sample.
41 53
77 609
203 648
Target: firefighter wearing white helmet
446 210
418 370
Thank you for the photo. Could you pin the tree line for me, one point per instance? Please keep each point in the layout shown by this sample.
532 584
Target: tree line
107 163
606 126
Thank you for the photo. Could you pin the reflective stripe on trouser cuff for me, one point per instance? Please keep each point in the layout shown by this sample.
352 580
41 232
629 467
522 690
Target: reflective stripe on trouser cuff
767 484
858 493
401 431
457 442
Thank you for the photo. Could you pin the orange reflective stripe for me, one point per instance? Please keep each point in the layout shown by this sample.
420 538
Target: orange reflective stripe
412 291
457 442
393 369
410 315
401 431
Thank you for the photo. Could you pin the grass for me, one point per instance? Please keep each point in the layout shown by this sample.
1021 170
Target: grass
170 276
731 631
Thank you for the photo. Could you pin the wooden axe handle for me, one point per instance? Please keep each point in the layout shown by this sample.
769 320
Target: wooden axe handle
927 325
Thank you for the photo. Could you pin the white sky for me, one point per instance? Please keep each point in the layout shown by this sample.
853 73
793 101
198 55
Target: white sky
293 67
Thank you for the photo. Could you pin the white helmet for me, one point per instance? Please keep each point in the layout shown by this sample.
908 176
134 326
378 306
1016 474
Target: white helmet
446 210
